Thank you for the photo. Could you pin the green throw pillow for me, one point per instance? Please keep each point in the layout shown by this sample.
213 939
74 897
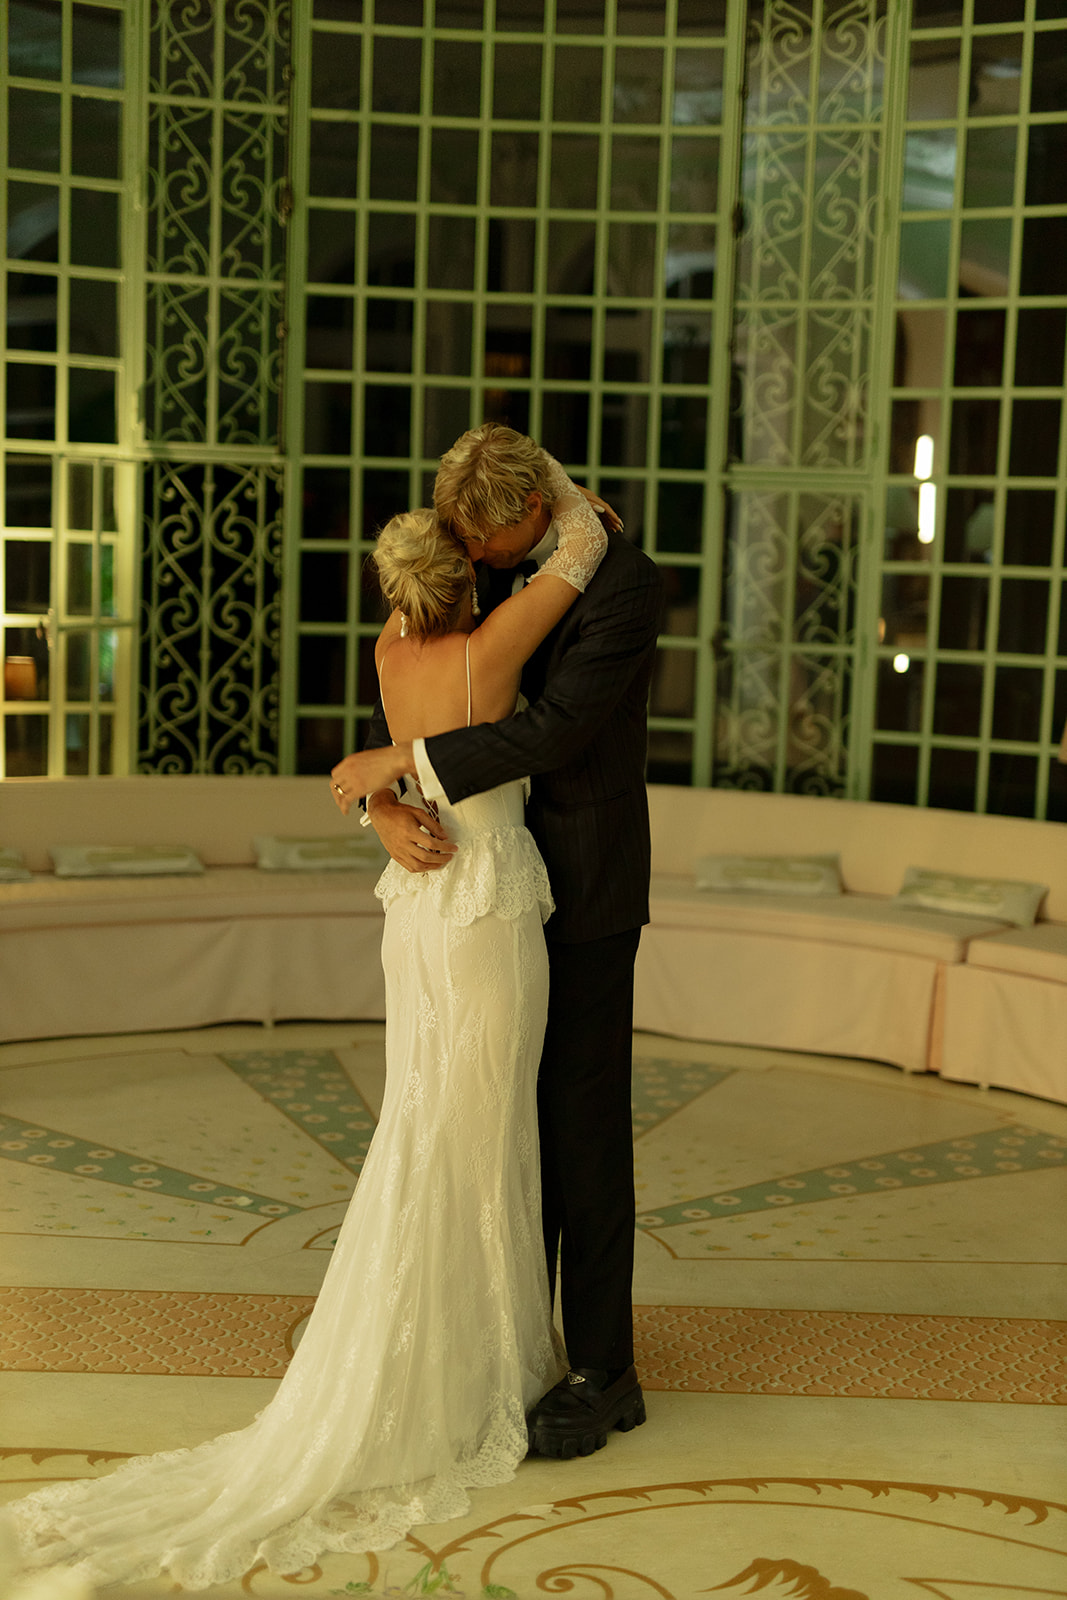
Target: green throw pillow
799 875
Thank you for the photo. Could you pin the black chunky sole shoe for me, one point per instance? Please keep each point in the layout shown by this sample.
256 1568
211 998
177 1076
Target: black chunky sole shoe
575 1417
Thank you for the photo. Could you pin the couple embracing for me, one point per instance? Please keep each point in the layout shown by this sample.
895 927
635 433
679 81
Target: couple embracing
519 647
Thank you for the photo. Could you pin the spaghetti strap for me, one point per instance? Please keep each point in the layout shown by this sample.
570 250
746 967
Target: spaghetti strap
468 680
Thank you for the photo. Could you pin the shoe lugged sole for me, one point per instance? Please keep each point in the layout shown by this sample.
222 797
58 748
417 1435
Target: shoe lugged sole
564 1440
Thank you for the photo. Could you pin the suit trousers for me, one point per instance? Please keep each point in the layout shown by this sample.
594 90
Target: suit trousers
586 1133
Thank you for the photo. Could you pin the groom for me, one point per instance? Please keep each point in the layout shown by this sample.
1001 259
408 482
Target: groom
582 740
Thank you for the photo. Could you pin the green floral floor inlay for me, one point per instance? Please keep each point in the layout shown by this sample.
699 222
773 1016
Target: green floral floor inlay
49 1147
311 1089
989 1154
661 1087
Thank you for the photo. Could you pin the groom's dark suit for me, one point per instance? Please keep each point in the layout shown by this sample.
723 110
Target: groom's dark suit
582 740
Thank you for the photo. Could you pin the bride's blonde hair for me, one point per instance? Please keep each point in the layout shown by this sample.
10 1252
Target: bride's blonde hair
423 571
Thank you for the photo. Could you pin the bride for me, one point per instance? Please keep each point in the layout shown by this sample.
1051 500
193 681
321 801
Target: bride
432 1334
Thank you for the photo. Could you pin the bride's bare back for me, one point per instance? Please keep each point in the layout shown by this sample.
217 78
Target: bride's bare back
424 684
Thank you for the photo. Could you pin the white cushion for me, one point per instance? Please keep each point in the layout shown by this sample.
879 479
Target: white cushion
862 919
773 874
123 860
12 867
1037 952
1006 899
357 850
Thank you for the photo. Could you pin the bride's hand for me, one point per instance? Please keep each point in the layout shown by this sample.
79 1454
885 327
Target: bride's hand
602 509
367 771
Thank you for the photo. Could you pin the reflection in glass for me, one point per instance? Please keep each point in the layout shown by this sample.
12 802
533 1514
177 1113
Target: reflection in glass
686 347
33 221
924 258
517 82
694 174
985 255
77 744
689 270
958 698
634 173
576 84
953 779
912 420
970 525
107 653
979 348
900 696
929 169
1035 438
32 311
996 74
80 580
447 348
35 39
902 523
631 259
934 80
638 91
989 174
905 610
697 87
964 614
1023 622
974 437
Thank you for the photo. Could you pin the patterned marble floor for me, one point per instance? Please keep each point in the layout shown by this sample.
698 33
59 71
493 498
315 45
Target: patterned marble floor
850 1310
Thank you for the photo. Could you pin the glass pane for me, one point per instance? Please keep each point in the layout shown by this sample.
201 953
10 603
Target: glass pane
107 651
397 73
905 610
631 259
576 85
95 137
108 598
575 157
934 80
634 173
996 73
953 780
1023 624
624 430
1044 252
580 16
517 82
512 255
964 612
333 169
389 327
324 586
386 420
325 503
80 580
96 47
105 725
970 525
571 257
335 71
450 256
94 228
92 417
638 17
35 39
902 523
568 343
328 419
686 347
28 492
670 756
924 257
26 745
1035 438
627 339
1012 785
454 166
32 311
958 699
565 425
394 162
319 743
985 256
689 270
638 92
912 421
900 695
1028 527
683 431
457 78
679 526
79 665
1046 164
449 326
999 10
384 494
920 350
701 16
1017 694
31 402
77 744
80 476
694 174
94 317
511 407
979 348
331 246
989 175
321 679
517 16
929 169
697 87
973 444
674 681
513 180
33 221
1039 346
446 414
1048 84
27 575
33 129
390 250
895 774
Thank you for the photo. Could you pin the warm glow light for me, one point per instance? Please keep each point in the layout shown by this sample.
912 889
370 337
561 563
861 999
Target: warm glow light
927 512
924 456
901 663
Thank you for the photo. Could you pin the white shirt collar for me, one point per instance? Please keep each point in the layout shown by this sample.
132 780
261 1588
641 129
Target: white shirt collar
544 547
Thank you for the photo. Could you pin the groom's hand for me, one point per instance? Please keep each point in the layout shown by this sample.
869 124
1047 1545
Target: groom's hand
411 836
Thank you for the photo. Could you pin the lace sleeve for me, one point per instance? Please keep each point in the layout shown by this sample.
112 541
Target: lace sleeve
582 540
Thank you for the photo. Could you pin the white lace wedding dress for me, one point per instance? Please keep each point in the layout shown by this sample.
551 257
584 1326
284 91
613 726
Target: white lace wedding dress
432 1333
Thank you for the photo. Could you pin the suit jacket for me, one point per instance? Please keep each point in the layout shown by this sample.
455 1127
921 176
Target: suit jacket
582 741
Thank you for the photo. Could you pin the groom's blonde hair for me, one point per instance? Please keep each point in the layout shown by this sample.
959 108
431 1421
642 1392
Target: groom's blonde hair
423 572
485 480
